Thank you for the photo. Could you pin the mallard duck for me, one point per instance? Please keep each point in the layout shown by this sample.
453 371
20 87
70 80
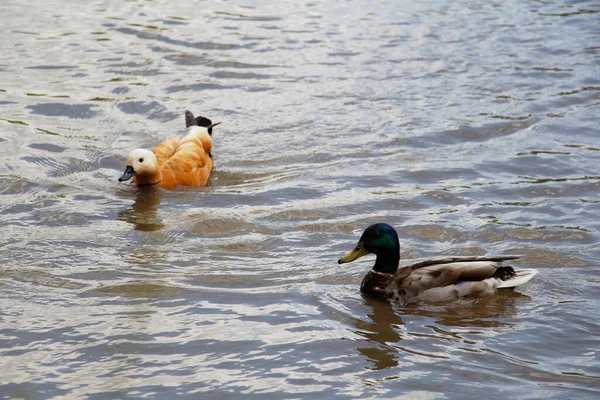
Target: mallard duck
437 279
176 161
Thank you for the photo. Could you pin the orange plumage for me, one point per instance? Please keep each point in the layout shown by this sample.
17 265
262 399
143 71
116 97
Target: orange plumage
186 161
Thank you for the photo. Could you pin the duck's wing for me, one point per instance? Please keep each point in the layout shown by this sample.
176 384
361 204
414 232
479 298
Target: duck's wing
189 165
166 150
449 260
442 272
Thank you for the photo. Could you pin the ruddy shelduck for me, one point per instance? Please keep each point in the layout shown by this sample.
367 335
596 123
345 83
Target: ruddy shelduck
176 161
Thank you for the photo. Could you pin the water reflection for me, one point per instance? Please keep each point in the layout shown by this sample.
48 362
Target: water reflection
489 311
382 330
142 213
379 332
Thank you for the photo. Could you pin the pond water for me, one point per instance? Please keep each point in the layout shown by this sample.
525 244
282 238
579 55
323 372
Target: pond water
472 127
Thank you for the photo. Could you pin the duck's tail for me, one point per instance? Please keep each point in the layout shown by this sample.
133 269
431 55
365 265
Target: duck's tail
190 120
205 122
519 277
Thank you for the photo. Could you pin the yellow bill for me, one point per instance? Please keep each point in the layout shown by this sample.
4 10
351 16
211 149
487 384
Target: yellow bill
356 253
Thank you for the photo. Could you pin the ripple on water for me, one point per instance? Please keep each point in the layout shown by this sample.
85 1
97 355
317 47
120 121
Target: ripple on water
223 227
77 111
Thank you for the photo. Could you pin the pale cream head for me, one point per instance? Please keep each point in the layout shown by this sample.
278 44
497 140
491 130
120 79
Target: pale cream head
143 162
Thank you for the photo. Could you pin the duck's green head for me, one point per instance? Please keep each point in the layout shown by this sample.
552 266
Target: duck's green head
382 240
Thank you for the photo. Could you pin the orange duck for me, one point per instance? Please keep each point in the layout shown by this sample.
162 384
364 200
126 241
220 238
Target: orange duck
187 161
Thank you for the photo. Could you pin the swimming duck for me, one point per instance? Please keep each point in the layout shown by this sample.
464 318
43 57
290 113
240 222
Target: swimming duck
437 279
186 161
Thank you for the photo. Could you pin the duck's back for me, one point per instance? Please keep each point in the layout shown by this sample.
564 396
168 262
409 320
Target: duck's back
185 161
455 277
442 274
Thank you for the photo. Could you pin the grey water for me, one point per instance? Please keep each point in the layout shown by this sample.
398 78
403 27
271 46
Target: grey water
472 127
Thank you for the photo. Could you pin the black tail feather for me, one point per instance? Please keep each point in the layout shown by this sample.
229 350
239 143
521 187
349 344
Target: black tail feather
504 272
203 121
189 119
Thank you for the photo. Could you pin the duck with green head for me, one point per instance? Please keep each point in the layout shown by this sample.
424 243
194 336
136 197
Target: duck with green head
437 279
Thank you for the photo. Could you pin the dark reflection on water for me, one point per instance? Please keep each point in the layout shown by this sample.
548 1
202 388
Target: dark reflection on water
380 333
485 311
143 212
471 127
383 326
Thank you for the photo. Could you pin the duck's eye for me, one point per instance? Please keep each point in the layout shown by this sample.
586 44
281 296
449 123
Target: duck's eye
378 234
141 160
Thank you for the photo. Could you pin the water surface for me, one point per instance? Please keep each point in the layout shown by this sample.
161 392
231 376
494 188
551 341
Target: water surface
472 127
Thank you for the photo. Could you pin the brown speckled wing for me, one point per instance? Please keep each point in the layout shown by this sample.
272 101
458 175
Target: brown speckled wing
439 275
448 260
